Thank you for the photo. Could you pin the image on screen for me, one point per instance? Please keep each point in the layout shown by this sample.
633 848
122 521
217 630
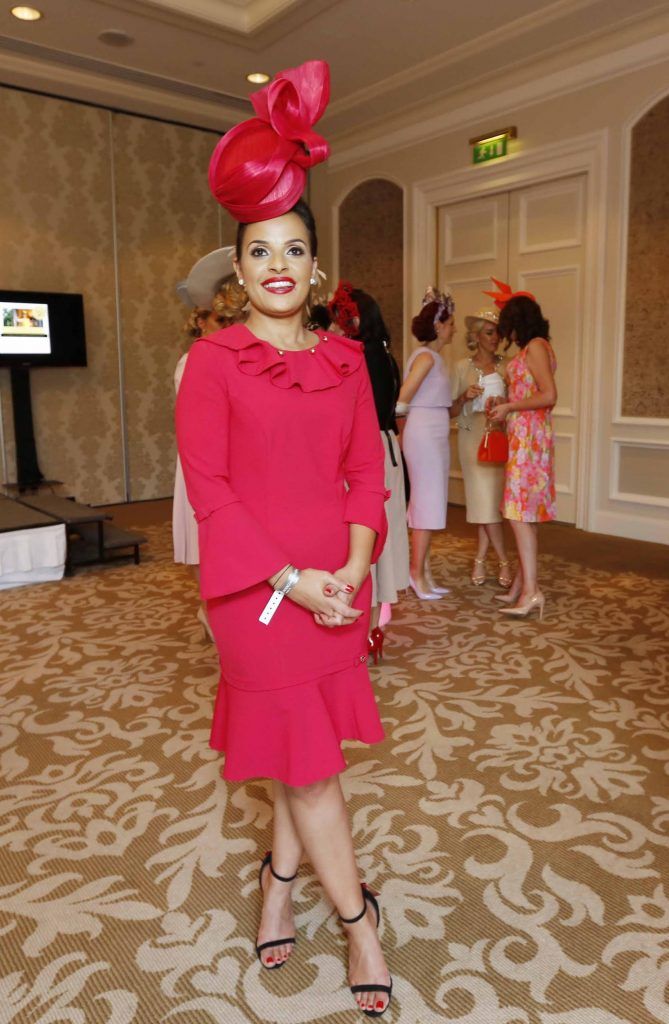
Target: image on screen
24 329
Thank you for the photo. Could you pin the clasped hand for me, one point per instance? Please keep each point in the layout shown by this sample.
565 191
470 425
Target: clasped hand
329 595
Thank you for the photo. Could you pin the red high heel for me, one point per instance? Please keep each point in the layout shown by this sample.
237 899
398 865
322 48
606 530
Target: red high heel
375 642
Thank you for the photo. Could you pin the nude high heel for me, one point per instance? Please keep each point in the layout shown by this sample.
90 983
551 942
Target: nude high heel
432 585
521 611
430 596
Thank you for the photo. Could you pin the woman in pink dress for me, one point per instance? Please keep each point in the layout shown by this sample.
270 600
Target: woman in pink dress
529 484
216 301
284 467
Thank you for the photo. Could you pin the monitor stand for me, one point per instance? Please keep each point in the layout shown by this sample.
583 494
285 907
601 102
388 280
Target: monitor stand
28 473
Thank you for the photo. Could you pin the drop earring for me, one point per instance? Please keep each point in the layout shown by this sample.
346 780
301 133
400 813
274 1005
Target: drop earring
241 282
313 281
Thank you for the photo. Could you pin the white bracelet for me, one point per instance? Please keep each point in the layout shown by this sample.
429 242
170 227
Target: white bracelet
277 597
401 409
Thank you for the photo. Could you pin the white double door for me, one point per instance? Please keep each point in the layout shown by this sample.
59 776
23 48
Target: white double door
534 239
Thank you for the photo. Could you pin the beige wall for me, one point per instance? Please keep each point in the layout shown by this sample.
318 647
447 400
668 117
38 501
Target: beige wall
68 172
371 249
56 235
645 391
604 111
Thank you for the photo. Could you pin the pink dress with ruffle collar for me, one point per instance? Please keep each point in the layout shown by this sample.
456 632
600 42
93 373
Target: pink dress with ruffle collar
281 452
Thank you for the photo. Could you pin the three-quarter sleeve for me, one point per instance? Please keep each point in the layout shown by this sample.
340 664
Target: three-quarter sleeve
364 468
236 551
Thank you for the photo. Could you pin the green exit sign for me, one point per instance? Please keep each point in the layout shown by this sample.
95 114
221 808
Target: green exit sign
490 149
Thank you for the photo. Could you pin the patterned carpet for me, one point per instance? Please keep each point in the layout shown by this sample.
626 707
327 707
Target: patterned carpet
515 821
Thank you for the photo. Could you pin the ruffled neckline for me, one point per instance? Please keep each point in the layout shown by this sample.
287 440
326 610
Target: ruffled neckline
324 366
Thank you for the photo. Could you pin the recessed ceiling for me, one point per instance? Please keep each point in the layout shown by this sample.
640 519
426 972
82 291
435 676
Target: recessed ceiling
189 58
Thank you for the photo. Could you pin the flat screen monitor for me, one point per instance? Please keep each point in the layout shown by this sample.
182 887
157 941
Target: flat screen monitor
42 329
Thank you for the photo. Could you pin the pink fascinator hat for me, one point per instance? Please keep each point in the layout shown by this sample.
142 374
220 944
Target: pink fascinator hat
259 168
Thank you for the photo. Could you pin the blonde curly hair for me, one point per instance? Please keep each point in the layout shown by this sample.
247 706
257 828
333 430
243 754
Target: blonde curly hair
472 336
228 307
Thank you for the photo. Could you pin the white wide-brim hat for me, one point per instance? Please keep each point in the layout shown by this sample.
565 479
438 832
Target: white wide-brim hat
490 315
205 277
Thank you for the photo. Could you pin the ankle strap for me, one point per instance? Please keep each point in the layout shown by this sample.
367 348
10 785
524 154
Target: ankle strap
280 878
367 897
358 917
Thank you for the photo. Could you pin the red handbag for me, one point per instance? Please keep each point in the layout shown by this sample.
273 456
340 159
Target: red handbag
494 447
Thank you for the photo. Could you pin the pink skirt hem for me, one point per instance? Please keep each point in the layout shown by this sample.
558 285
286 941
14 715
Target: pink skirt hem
294 734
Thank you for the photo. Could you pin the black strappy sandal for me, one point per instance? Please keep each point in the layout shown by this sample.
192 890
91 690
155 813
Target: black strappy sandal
370 898
267 862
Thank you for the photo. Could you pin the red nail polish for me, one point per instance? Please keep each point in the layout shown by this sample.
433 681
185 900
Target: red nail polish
270 960
379 1004
328 591
349 588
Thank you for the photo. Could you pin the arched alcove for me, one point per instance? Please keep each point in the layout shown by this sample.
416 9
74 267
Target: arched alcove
371 248
645 392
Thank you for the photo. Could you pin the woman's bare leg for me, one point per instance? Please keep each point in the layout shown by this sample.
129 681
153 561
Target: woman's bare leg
276 919
420 552
495 532
526 542
483 542
321 821
202 614
375 616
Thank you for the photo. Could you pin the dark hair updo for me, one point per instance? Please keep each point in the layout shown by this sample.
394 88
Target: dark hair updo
422 325
522 315
372 329
306 216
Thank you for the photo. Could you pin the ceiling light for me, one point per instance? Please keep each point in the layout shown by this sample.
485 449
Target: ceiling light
27 13
115 37
257 77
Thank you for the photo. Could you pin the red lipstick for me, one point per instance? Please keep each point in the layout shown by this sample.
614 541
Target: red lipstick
279 285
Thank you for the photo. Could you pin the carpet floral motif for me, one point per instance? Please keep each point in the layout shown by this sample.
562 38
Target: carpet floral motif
515 820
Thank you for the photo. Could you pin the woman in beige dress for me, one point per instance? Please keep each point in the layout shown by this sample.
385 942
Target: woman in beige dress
476 379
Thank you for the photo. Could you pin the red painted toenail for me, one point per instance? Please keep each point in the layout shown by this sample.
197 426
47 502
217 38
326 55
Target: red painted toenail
379 1005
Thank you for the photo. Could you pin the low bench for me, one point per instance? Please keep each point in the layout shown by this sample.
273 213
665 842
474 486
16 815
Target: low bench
91 537
33 545
116 544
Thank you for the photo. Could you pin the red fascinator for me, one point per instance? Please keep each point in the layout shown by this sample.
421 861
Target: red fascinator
343 309
501 297
259 168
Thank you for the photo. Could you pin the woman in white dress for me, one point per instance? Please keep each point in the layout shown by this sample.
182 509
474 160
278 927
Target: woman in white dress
426 397
476 379
218 301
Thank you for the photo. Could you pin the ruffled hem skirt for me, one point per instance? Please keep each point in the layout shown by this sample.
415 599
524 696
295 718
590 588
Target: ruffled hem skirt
294 734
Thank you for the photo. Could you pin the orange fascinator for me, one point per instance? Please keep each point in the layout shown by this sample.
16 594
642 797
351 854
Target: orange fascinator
259 168
501 297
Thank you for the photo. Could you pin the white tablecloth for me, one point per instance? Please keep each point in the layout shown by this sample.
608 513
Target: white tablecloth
32 556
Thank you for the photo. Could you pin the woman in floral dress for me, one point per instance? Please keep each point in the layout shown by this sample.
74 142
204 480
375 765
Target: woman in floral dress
529 487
